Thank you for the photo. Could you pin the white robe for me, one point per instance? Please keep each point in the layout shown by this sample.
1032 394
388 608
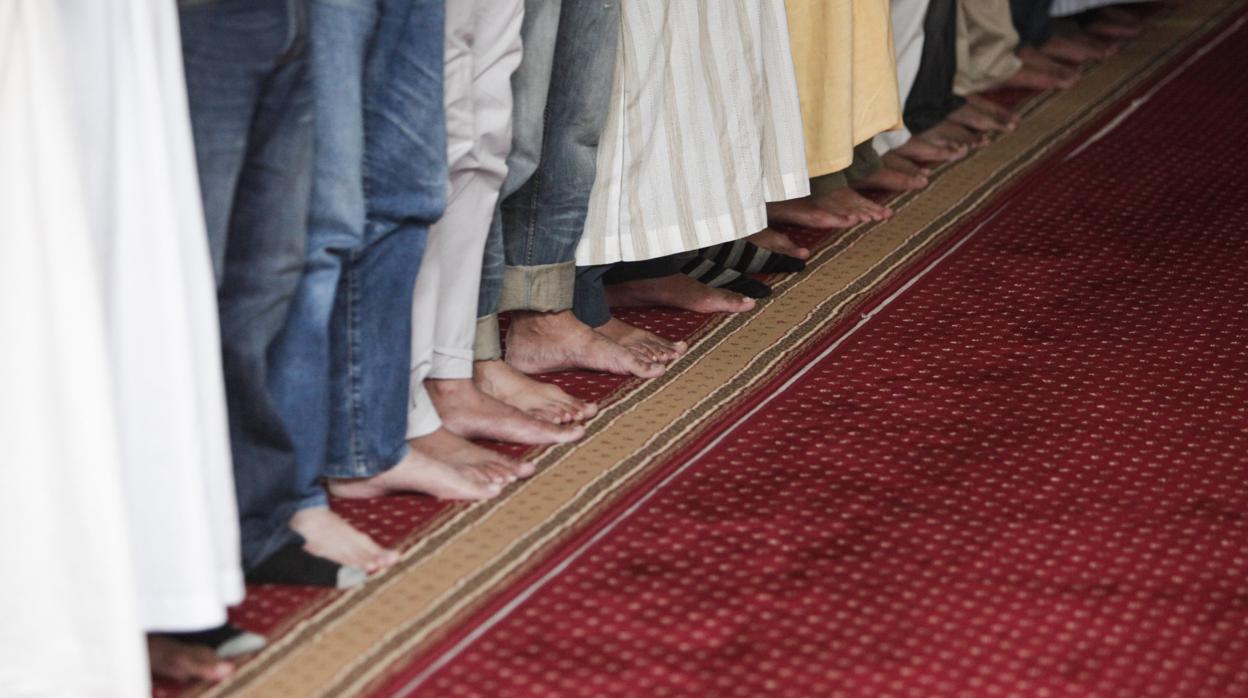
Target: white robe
704 129
146 218
68 616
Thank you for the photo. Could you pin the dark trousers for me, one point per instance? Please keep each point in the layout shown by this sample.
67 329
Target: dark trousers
932 98
1031 19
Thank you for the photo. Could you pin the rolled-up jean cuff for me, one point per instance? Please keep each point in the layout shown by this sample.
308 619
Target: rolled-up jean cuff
543 288
319 500
365 467
487 345
451 364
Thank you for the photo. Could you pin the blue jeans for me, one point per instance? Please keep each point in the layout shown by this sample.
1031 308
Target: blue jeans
380 181
251 114
562 94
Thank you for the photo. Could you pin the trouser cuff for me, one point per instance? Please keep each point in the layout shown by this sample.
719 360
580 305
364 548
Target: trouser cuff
451 364
487 345
891 140
422 416
316 500
543 288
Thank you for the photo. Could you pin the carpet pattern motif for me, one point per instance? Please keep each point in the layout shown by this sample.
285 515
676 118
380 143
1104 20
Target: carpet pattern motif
1022 476
1026 476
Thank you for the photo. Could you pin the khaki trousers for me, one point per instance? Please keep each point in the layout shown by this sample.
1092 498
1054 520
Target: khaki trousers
986 44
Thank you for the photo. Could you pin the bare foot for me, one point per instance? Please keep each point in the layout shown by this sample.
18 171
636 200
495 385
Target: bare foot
896 161
976 119
546 342
678 291
1068 49
948 133
328 535
776 241
996 111
443 465
888 179
542 400
847 202
468 412
803 213
1038 80
1123 18
182 662
1115 23
649 346
919 150
1112 30
1065 75
1122 15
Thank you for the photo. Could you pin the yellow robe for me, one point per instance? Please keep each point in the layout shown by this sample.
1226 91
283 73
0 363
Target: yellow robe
846 76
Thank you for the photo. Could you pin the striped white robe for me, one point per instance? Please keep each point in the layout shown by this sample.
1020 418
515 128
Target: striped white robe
705 128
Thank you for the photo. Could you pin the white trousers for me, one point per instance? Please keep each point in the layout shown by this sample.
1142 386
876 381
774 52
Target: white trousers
482 51
908 17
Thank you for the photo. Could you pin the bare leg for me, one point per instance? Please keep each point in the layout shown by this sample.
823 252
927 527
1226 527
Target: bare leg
546 342
468 412
443 465
181 662
649 346
542 400
776 241
328 535
678 291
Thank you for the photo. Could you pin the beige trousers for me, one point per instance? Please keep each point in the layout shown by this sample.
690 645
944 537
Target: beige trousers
986 44
482 51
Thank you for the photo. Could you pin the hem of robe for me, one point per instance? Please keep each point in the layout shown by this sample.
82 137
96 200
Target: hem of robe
664 242
828 167
179 612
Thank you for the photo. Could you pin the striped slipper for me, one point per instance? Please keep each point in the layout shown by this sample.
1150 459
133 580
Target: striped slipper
716 276
748 258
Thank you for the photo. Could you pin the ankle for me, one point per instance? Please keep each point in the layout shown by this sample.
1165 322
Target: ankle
441 387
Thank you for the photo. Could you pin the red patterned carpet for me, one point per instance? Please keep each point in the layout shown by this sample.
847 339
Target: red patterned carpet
1020 468
1025 475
